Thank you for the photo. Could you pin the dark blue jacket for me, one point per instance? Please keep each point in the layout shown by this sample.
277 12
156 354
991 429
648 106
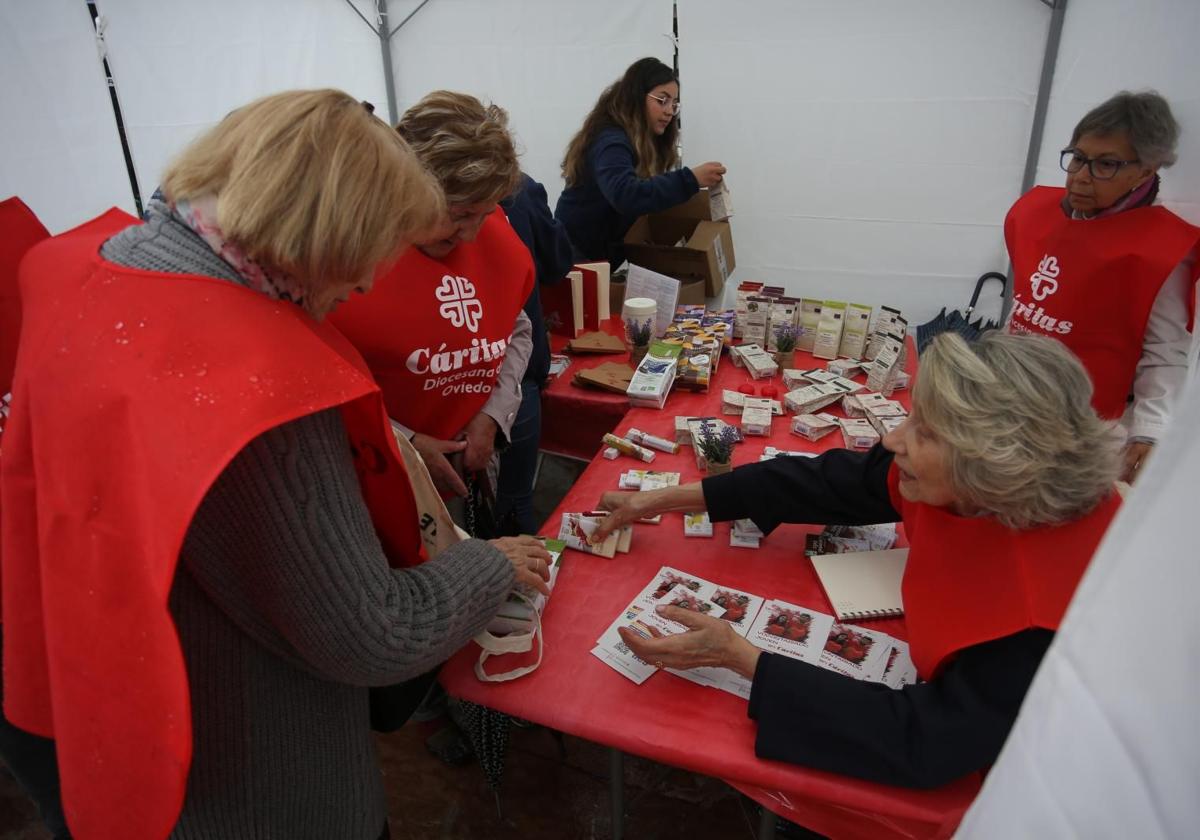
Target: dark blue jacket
600 209
528 212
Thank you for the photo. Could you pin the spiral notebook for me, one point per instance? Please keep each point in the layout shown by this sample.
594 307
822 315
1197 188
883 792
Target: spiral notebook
862 585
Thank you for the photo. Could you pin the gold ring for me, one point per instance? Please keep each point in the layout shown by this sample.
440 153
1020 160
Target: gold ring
658 664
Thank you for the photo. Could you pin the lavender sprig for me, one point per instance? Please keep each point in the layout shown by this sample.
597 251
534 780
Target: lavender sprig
639 331
787 336
718 447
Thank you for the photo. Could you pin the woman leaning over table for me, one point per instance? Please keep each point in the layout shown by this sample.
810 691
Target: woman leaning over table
1004 478
621 164
1101 268
211 545
444 330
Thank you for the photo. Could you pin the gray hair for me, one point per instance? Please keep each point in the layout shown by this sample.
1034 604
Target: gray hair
1145 117
1024 444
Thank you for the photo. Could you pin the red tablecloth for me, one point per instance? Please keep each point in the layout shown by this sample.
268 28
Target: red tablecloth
669 719
574 419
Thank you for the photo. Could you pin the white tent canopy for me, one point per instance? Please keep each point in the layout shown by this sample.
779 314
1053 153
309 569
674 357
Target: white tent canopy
873 147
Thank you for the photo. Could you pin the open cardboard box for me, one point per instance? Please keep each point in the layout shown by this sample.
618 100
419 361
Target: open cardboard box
706 255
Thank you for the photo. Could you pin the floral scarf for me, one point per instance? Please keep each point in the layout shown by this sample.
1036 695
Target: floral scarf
200 214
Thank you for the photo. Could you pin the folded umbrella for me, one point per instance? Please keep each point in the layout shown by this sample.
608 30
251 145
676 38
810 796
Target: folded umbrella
959 322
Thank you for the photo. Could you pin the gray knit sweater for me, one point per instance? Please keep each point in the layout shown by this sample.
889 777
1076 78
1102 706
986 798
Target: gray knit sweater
287 610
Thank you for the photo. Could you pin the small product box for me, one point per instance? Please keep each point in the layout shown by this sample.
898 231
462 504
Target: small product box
813 397
697 525
845 367
813 427
756 421
858 433
760 365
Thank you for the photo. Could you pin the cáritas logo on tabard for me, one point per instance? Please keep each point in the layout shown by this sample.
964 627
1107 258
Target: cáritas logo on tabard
1044 281
459 306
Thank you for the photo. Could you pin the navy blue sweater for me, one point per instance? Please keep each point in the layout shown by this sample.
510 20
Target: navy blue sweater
600 209
528 212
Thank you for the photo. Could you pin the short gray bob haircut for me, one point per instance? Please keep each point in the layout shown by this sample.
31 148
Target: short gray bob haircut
1024 444
1145 117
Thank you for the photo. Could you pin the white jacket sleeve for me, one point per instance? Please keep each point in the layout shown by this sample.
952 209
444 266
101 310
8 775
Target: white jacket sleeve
1162 368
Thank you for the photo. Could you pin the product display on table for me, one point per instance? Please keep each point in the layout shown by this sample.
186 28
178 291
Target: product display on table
610 454
812 398
632 480
813 427
771 452
697 525
858 433
596 342
855 330
558 364
576 532
651 382
878 537
609 376
829 330
652 441
856 652
628 447
886 321
756 421
881 376
760 365
878 416
810 319
845 367
745 534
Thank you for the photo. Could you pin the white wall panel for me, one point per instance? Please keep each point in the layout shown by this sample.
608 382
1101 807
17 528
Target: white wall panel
544 61
1112 45
873 147
181 66
59 148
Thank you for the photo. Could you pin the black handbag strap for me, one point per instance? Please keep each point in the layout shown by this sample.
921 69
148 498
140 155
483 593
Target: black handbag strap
991 275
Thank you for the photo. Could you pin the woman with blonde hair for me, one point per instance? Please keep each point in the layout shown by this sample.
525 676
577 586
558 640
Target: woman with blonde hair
211 543
621 164
1004 479
444 332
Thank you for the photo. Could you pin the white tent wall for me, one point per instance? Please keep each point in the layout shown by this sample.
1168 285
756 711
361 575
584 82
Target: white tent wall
62 154
180 66
544 61
873 147
1105 745
1112 45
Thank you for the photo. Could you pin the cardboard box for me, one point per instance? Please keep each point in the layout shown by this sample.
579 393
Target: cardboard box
706 255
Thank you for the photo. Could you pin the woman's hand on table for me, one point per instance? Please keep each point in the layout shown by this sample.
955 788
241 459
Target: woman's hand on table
529 559
708 642
624 507
433 452
629 507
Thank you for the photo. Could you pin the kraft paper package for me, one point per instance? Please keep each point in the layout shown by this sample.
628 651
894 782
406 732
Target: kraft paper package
855 331
810 318
829 330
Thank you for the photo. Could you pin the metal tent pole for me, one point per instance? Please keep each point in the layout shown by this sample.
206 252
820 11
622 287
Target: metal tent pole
1049 60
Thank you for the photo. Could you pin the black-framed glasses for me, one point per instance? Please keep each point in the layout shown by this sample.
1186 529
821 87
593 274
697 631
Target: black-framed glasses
1102 168
671 106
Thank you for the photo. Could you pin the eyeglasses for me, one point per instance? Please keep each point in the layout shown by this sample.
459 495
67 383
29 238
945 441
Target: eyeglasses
671 106
1102 169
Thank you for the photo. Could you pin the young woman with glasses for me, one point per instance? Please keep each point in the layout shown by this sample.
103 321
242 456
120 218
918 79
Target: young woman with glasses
1099 266
623 162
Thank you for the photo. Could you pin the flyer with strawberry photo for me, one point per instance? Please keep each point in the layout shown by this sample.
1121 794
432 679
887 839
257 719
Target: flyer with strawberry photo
856 652
613 652
791 630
